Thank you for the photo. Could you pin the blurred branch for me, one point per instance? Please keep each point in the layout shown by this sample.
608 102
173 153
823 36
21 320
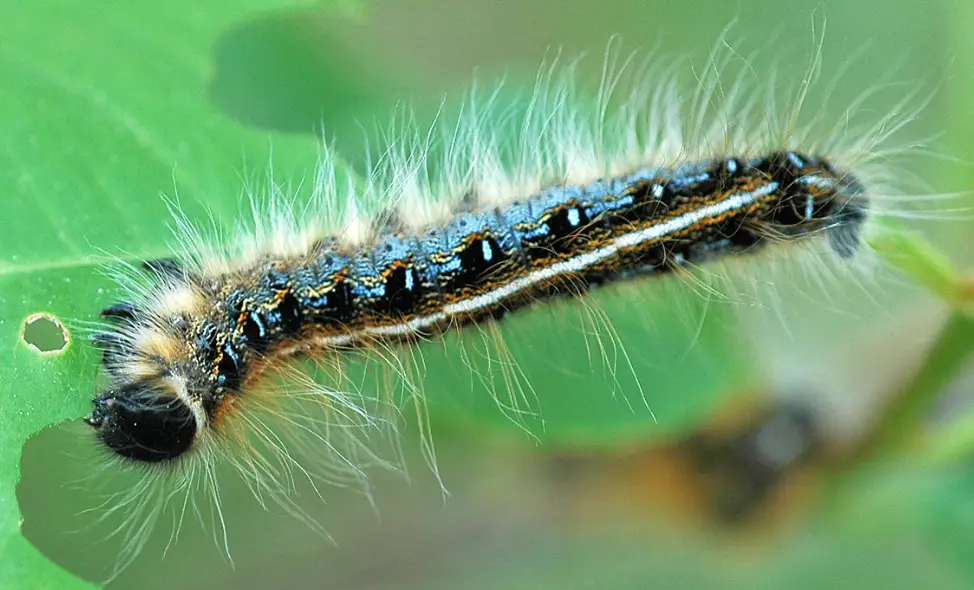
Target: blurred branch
950 352
947 357
924 263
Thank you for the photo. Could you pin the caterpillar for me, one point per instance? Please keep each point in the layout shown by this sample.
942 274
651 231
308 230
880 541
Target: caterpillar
569 196
178 365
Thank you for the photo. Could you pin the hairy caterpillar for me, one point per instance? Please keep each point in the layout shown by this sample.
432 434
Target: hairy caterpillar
573 197
179 362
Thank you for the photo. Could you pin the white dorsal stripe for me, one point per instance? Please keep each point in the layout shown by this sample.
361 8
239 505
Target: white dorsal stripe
563 267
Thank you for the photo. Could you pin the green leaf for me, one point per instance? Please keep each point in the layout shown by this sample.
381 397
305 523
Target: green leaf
631 364
102 109
923 262
931 503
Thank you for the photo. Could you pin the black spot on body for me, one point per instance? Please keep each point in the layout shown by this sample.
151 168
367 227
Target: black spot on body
402 290
730 168
477 259
285 316
566 226
229 368
282 308
331 306
255 332
650 200
782 167
324 291
705 182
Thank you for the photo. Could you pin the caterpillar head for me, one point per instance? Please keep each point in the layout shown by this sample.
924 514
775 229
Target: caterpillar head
817 194
144 422
141 415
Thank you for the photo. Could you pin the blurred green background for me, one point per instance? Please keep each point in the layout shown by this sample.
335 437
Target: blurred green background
105 108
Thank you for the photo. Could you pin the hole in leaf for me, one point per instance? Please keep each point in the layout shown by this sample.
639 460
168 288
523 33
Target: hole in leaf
44 333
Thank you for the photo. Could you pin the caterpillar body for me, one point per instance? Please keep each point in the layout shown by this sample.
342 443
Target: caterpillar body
178 367
515 212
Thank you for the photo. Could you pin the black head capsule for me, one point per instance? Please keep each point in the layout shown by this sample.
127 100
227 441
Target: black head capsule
817 197
836 202
144 423
848 215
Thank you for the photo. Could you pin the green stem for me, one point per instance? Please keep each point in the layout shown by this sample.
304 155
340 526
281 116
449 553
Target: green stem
949 354
929 267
